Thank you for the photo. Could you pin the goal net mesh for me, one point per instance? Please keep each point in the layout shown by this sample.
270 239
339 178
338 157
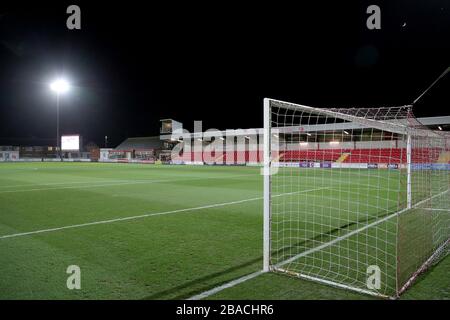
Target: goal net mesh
358 196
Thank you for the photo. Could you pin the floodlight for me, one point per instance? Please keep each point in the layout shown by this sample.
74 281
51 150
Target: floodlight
60 86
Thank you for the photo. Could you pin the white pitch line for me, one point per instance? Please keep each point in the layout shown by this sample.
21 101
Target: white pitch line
122 183
215 205
107 181
59 183
226 286
80 187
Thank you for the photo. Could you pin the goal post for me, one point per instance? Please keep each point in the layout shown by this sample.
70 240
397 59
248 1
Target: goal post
355 198
408 172
267 193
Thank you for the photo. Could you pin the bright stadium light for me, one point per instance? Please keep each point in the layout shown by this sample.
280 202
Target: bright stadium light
60 86
346 132
440 128
308 134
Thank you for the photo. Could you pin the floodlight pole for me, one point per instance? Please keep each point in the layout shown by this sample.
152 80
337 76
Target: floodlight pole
58 86
58 151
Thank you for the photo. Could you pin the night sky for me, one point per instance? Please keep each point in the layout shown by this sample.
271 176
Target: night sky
133 64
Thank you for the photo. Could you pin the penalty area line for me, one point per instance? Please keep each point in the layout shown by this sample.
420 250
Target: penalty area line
114 183
215 205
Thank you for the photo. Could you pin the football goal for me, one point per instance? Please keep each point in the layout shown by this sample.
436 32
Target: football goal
356 198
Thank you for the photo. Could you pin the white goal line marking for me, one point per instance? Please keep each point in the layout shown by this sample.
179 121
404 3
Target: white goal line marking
107 184
255 274
332 283
226 286
146 215
435 209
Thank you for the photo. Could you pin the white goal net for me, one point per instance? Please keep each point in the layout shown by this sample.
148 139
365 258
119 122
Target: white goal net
357 198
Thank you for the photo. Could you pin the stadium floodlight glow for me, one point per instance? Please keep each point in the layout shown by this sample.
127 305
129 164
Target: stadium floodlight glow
60 86
308 134
440 128
346 132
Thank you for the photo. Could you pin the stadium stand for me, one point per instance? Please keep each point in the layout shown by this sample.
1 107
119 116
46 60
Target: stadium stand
137 149
381 155
141 143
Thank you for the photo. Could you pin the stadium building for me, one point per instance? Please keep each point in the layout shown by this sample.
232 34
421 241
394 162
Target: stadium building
353 145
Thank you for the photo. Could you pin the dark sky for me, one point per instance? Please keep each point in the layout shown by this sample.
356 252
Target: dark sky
132 64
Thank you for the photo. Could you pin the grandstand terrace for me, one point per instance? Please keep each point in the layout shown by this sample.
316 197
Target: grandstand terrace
313 143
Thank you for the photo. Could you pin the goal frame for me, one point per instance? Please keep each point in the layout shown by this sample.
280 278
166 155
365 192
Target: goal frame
267 214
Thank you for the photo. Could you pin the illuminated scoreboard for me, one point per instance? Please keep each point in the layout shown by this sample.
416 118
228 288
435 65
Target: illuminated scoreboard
70 143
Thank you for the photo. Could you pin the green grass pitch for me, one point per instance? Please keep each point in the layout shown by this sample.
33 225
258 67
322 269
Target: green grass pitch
146 232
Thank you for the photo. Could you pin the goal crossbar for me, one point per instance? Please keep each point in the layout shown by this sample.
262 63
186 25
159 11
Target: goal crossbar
399 126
